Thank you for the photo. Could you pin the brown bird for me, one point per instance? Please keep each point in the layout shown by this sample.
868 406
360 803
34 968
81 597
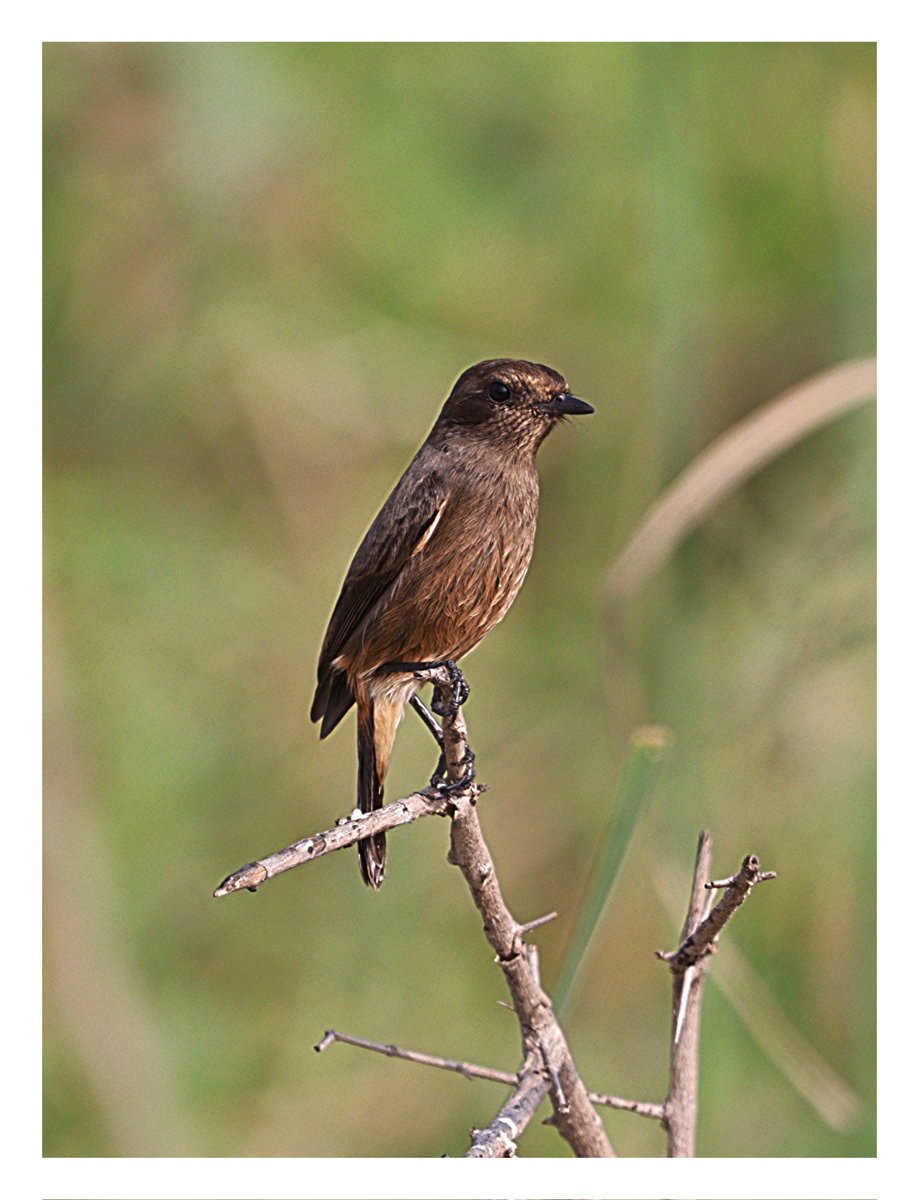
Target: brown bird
440 565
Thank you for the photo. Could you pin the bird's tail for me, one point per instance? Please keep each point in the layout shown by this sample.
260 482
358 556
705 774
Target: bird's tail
376 728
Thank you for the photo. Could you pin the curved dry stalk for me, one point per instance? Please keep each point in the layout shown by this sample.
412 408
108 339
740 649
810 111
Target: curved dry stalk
730 460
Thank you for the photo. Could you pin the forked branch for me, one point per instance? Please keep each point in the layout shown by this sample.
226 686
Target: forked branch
689 963
548 1069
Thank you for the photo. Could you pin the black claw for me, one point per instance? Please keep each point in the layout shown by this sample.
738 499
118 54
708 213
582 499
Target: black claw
440 772
448 787
459 692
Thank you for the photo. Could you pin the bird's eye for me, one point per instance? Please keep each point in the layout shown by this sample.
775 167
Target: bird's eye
499 391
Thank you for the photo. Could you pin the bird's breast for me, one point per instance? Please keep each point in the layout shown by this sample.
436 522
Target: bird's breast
461 581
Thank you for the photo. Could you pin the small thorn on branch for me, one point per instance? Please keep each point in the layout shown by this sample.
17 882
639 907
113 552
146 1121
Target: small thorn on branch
561 1104
529 926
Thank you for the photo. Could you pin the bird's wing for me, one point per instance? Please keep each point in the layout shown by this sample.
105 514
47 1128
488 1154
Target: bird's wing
403 526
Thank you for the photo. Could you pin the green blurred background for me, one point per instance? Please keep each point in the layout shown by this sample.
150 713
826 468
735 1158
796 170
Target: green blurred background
265 266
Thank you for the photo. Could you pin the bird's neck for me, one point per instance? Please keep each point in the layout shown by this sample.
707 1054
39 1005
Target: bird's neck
480 446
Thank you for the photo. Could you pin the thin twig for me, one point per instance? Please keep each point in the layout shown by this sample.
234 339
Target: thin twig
467 1070
681 1105
474 1071
641 1108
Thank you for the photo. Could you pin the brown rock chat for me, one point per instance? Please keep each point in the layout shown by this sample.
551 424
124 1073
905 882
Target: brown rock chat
440 565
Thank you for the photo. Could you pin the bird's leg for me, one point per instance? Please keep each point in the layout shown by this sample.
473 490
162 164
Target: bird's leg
440 771
428 718
459 694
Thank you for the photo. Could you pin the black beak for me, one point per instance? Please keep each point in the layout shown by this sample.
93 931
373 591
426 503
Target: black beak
566 405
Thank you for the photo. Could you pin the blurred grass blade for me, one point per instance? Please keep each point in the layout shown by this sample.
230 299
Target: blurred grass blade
647 750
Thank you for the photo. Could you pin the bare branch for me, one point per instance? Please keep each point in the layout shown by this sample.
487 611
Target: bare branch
467 1070
641 1108
499 1139
348 830
578 1123
474 1071
700 940
793 1055
543 1041
548 1066
681 1105
689 963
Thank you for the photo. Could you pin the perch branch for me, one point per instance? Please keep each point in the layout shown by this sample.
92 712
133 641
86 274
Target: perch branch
346 831
544 1043
548 1065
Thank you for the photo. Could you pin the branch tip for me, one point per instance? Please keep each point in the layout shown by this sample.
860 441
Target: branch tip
529 926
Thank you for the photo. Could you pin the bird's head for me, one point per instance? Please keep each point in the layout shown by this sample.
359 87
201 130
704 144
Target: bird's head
511 402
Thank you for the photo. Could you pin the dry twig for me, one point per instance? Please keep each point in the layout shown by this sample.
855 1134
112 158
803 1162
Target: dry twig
688 964
499 1139
473 1071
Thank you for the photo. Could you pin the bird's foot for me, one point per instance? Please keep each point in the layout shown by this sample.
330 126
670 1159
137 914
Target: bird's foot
449 787
450 704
